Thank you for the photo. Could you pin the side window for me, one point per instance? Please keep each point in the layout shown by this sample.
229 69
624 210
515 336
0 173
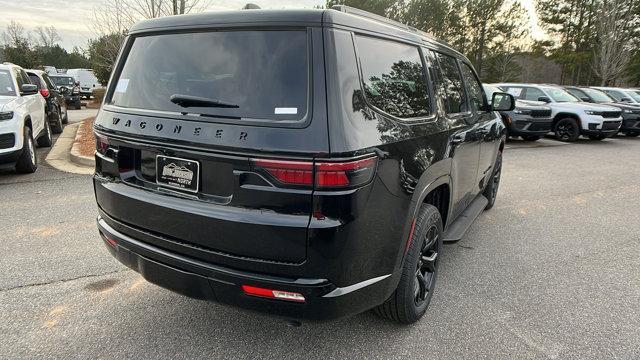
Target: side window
451 85
533 94
394 78
615 94
19 79
48 82
476 94
35 80
577 93
516 92
25 77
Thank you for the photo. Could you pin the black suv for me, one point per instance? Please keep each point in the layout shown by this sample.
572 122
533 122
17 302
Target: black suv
56 109
304 163
630 111
70 88
530 120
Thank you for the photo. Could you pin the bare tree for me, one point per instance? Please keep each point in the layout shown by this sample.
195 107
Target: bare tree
612 51
14 35
47 36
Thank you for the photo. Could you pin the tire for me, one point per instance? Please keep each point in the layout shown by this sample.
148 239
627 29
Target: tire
28 161
597 137
45 139
410 300
567 130
632 134
56 124
79 105
530 138
65 118
491 190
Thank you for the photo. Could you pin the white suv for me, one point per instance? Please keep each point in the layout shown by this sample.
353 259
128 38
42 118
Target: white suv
22 119
571 117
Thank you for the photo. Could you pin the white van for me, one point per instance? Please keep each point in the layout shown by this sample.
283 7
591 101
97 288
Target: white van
88 81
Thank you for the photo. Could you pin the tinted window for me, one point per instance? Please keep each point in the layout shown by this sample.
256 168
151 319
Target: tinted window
597 95
533 94
394 78
25 77
47 81
451 85
19 79
476 95
35 80
6 84
264 73
577 93
63 80
615 94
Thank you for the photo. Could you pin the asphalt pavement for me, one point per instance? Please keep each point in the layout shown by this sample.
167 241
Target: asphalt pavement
552 271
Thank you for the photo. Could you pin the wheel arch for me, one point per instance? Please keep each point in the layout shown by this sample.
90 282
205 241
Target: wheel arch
28 123
564 115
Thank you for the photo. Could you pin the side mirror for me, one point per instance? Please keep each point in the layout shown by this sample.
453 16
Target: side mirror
625 100
544 99
501 101
585 99
28 89
77 83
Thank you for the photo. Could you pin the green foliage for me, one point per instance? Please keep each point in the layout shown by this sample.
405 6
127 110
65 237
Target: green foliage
103 53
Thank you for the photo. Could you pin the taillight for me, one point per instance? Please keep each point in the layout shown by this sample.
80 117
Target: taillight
44 92
345 174
321 174
273 294
102 144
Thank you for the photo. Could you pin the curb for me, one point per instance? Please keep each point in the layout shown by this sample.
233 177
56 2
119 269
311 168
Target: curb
74 154
59 156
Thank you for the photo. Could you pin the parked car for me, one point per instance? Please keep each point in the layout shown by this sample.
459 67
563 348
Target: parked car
88 81
620 94
571 117
630 113
22 120
319 192
530 120
57 114
70 88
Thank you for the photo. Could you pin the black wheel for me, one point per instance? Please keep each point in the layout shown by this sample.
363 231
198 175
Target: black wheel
530 138
79 105
632 134
567 130
45 139
55 120
27 162
410 300
491 191
65 117
597 137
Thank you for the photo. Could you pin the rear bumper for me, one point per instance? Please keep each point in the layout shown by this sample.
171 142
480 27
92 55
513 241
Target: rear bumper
197 279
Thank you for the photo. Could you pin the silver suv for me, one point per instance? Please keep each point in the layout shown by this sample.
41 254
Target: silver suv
571 117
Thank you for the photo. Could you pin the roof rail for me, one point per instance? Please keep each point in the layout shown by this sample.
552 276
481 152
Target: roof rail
369 15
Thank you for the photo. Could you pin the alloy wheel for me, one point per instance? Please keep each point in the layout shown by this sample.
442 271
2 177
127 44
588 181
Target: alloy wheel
427 266
565 131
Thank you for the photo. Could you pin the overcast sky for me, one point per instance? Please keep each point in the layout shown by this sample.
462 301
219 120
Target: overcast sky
72 17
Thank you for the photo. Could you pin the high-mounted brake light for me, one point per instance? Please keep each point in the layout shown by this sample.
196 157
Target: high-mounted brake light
321 175
273 294
44 92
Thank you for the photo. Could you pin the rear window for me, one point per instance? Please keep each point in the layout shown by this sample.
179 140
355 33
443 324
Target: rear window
35 80
63 80
254 74
6 84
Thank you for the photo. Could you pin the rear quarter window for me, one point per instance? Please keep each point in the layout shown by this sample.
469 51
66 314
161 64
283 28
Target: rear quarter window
393 77
264 73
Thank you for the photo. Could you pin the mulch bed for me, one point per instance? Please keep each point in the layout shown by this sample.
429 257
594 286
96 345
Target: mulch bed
85 139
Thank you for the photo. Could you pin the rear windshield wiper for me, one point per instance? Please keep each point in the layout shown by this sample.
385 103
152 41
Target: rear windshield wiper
196 101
